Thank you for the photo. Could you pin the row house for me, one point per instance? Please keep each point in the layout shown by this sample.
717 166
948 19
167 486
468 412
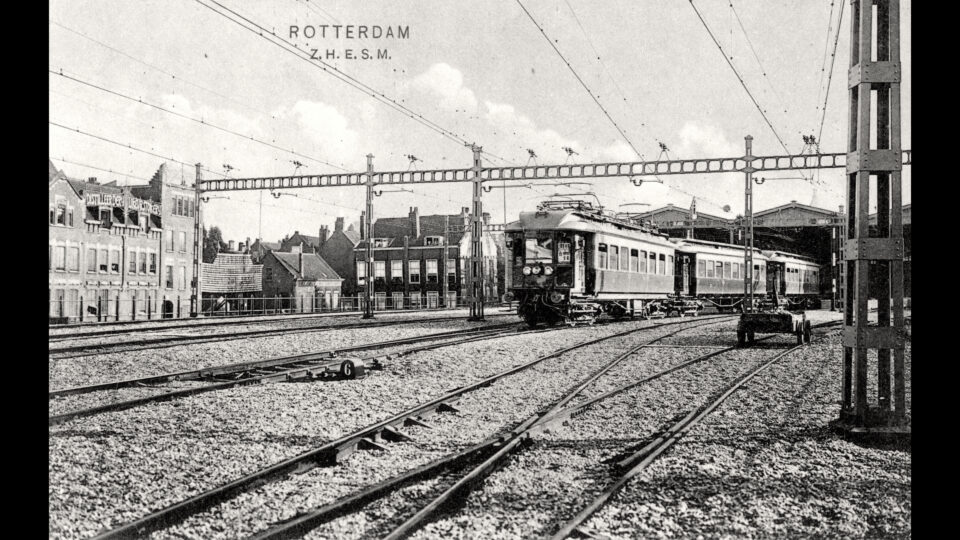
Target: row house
119 252
301 282
421 261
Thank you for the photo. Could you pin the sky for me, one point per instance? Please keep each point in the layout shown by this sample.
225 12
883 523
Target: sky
480 70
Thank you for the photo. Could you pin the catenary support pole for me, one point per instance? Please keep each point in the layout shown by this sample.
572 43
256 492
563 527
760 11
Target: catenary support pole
476 239
195 283
368 228
748 276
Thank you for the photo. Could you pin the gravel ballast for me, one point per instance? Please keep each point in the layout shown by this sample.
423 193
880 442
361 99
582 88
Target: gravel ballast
212 438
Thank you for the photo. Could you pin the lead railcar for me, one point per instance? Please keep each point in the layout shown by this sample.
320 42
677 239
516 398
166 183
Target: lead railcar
570 262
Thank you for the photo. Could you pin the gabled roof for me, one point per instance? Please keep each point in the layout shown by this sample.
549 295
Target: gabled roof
701 216
314 267
351 235
794 205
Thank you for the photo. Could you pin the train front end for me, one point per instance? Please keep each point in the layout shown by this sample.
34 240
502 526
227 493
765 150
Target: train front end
542 261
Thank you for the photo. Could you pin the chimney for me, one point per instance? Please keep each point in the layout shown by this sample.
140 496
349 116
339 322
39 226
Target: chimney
240 247
324 234
248 244
92 179
230 245
414 217
363 225
301 262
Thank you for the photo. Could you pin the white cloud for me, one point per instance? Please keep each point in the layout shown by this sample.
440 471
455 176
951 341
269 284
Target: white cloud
705 140
446 82
325 127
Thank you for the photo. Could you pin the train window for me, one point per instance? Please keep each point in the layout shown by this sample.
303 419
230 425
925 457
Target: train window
643 262
602 251
719 271
701 268
652 264
727 271
563 252
624 259
662 265
539 249
634 261
735 271
670 265
614 258
710 268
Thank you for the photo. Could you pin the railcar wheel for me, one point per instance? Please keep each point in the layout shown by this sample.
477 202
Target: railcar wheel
807 331
741 338
750 336
530 318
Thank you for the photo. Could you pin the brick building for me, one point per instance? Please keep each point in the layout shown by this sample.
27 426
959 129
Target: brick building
303 281
337 249
119 252
420 261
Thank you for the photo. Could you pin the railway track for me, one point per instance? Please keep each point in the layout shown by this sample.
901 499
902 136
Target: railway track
286 368
159 342
369 437
485 457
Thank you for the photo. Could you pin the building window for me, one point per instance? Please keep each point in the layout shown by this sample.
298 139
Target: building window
451 269
396 272
104 263
414 271
143 262
602 250
433 299
70 216
106 216
182 240
361 271
91 259
267 274
432 276
115 261
433 241
379 271
169 242
59 258
183 277
168 276
53 215
73 259
179 206
191 210
381 242
61 213
153 263
131 262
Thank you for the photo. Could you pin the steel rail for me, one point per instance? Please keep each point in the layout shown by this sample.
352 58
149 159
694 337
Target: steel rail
175 324
516 436
281 369
651 451
173 341
326 454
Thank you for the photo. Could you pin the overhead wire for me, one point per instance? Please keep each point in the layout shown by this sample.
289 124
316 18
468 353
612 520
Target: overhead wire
96 168
192 119
823 63
833 58
739 78
330 69
131 147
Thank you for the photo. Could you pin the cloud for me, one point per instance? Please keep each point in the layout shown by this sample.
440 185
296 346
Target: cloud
324 126
446 82
706 140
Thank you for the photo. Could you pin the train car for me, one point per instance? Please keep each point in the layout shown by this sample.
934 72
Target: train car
793 277
713 272
571 262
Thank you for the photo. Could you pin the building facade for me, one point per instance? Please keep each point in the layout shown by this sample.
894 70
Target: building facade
119 252
337 249
231 283
421 261
300 282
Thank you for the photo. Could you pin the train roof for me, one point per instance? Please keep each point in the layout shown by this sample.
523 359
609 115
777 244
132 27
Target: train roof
688 245
780 256
577 220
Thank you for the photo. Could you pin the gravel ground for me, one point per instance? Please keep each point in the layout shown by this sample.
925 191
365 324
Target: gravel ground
98 368
108 469
159 324
325 324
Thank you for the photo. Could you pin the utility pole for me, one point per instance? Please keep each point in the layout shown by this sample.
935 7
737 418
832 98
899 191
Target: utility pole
748 228
879 255
368 226
476 253
195 306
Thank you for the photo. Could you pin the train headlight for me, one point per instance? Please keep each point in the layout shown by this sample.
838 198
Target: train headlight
526 270
548 270
535 270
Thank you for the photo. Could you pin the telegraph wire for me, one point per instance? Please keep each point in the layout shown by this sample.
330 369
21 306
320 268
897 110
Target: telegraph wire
833 58
826 47
197 120
739 78
131 147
